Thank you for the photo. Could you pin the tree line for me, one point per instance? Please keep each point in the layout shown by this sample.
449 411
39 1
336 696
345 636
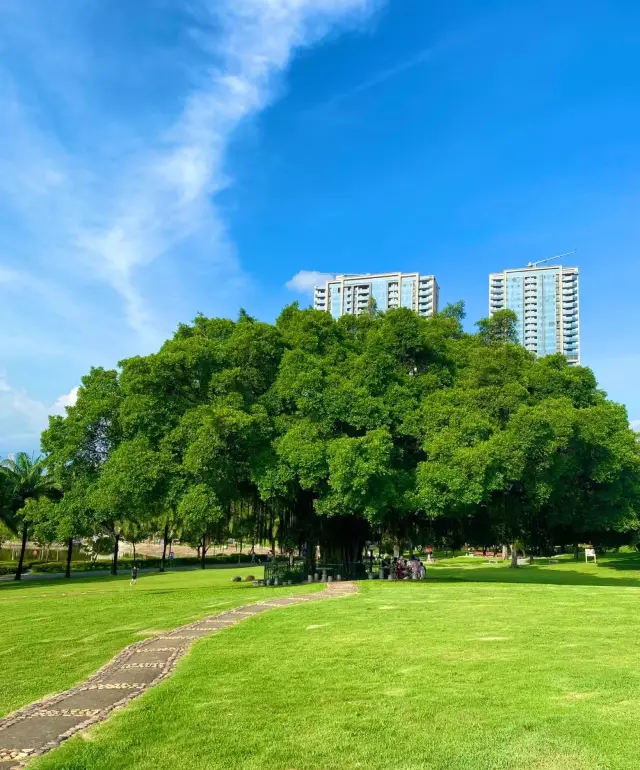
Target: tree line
336 433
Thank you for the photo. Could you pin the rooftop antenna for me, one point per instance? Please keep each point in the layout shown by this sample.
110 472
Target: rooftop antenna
549 259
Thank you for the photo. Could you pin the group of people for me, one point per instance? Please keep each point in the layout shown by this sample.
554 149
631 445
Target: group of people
400 568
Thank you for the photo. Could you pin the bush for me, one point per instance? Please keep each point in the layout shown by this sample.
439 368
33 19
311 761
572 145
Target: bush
236 579
10 567
125 563
61 566
249 578
232 558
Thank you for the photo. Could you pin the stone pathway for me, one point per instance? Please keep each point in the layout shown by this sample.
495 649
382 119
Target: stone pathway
41 726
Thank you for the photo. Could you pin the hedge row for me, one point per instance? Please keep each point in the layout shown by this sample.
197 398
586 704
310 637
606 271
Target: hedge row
9 567
127 563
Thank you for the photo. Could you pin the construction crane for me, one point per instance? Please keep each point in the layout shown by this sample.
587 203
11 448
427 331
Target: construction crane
550 259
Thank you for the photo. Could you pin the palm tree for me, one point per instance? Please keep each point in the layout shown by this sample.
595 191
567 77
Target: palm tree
22 478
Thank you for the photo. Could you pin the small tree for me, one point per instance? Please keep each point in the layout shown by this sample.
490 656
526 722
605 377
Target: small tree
128 490
24 478
200 512
501 327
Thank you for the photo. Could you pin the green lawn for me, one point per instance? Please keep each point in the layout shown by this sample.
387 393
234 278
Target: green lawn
463 672
612 569
56 632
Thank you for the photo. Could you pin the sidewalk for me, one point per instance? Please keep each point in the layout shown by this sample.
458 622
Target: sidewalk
122 572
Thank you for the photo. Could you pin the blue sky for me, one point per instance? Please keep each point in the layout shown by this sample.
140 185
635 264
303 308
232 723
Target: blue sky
163 157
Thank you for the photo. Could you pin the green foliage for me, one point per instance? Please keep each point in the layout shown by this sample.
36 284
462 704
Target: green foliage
316 431
23 479
199 509
5 533
501 327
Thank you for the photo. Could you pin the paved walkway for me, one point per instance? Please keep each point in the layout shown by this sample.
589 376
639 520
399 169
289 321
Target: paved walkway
122 572
40 727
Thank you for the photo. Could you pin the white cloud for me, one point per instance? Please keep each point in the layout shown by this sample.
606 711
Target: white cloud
22 418
635 425
304 281
69 399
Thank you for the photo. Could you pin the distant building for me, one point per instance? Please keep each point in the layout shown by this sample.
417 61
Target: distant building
545 299
351 294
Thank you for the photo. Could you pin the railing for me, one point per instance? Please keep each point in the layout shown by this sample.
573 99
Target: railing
283 572
299 571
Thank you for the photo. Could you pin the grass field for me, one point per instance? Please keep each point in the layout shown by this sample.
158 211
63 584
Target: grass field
56 632
469 670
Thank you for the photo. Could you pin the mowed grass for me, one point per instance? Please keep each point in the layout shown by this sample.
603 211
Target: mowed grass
56 632
441 675
614 569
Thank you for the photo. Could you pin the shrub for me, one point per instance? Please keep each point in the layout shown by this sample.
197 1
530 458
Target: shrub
236 579
125 563
249 578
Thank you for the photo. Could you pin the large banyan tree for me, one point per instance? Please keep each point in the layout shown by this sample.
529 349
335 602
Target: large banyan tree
334 433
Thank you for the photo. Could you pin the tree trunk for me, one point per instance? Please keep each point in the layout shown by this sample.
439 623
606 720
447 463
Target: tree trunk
67 573
134 551
576 551
204 551
23 548
514 556
164 546
114 564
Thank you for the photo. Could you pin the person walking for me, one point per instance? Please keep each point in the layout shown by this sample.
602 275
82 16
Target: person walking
134 575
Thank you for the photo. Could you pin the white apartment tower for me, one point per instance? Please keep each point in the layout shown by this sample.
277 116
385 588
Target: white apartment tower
351 294
545 299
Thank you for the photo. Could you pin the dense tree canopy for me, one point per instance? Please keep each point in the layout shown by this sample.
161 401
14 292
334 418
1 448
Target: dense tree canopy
314 431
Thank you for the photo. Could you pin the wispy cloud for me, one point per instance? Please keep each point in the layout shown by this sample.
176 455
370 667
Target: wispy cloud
304 281
114 218
111 167
425 56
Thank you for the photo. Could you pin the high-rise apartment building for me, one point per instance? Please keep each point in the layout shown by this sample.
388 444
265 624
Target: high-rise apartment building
545 299
351 294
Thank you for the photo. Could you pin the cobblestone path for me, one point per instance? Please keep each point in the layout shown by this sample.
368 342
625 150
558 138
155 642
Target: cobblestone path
41 726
